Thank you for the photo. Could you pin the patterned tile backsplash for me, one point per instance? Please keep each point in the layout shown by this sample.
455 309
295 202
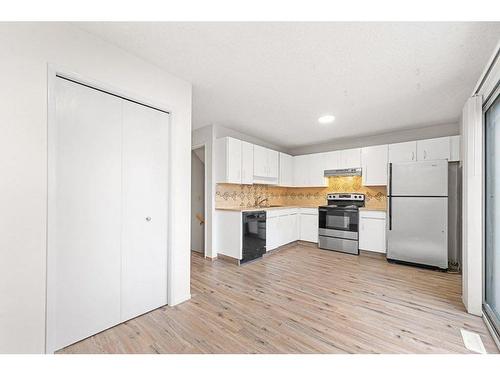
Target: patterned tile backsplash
231 195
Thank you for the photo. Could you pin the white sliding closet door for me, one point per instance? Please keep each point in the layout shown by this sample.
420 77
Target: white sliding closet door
84 214
144 241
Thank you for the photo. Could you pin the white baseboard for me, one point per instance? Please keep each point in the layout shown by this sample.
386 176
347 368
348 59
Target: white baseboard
179 300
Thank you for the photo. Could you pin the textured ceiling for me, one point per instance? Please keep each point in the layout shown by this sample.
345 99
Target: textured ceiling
273 80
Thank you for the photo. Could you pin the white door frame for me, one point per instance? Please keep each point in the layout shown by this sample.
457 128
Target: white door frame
52 72
205 193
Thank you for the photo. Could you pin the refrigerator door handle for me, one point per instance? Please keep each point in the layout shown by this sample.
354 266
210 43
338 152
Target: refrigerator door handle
390 213
390 196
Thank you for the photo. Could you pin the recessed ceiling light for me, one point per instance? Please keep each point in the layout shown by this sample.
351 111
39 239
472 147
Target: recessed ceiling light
326 119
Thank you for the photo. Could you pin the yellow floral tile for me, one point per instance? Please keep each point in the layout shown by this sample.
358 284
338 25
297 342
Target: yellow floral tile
232 195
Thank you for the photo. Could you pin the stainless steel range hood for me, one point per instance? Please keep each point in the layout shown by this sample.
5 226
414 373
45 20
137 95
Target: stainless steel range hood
343 172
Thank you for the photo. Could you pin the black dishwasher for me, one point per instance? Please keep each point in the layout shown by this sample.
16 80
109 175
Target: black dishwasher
254 235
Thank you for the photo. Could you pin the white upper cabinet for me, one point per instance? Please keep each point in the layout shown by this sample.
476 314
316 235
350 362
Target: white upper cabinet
350 158
309 170
454 148
233 165
265 165
260 167
443 148
331 160
273 162
433 149
342 159
374 164
246 163
301 171
286 170
317 170
406 151
240 162
228 160
233 161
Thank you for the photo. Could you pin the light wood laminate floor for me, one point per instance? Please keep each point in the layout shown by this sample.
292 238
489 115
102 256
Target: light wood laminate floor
303 300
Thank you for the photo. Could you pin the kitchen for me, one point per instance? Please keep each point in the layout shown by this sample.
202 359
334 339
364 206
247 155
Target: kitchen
331 203
296 196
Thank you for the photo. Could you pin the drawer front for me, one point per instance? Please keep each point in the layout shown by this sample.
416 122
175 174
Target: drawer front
308 211
372 214
337 244
272 213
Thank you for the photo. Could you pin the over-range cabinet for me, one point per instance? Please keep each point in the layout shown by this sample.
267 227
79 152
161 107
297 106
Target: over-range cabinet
417 213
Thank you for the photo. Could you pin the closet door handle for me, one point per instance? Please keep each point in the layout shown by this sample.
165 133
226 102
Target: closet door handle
148 218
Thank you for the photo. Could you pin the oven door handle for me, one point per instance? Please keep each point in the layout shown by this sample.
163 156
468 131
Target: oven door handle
339 209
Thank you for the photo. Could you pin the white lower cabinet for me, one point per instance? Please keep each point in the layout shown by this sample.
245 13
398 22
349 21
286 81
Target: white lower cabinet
282 227
292 225
372 231
308 227
272 233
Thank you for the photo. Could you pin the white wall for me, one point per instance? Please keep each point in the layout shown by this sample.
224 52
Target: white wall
26 50
222 131
435 131
197 201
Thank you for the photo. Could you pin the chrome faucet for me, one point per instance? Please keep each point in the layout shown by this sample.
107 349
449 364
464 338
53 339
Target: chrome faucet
259 201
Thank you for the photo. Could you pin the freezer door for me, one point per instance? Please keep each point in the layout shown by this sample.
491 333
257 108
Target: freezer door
417 231
423 178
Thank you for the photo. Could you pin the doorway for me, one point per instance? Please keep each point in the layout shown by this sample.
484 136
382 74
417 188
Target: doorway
198 200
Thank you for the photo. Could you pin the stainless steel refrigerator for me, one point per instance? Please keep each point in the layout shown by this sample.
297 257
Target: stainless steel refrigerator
417 225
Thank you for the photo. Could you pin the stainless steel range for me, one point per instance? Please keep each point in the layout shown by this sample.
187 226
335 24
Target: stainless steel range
338 222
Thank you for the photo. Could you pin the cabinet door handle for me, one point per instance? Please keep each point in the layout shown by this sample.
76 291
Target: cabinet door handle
425 154
413 155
